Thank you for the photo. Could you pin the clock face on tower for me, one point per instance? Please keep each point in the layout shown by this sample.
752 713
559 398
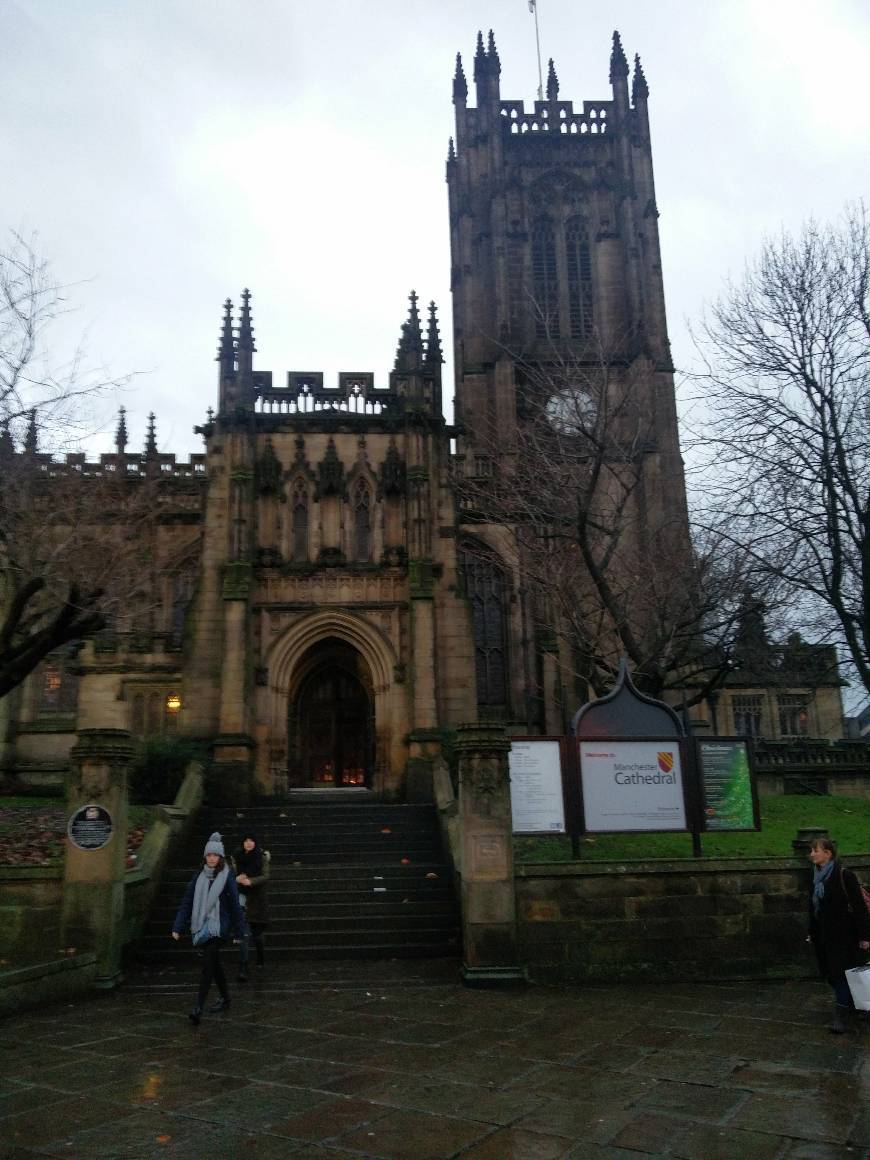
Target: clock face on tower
572 410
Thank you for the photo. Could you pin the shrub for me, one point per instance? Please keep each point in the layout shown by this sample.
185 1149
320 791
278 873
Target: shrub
158 768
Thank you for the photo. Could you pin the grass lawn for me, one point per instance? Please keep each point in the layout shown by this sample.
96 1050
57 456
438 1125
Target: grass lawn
33 830
847 820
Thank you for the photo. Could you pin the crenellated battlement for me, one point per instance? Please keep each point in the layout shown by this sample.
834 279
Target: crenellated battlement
117 466
594 118
305 394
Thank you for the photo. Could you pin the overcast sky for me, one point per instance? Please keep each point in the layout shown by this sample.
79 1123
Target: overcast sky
170 152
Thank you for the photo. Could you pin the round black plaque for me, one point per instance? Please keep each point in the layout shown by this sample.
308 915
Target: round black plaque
90 827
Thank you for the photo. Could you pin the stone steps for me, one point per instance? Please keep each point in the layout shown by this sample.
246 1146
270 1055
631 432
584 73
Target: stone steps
349 879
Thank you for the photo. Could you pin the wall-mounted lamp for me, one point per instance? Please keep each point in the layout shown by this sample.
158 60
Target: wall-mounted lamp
173 703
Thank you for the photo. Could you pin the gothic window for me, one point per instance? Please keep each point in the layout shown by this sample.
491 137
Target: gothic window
182 590
362 522
579 266
486 588
58 689
545 276
149 716
299 553
747 715
793 715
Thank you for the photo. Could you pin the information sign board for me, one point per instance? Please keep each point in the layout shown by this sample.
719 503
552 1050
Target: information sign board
727 785
632 785
90 827
537 799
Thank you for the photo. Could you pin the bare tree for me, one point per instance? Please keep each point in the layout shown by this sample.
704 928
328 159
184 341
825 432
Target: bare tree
597 511
51 591
787 433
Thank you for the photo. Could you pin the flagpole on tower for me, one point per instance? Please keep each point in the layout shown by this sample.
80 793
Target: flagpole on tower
533 8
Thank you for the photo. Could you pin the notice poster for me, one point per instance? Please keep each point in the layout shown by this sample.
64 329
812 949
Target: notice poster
726 783
632 785
537 802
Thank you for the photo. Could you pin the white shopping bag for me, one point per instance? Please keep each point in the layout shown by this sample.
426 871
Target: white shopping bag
858 979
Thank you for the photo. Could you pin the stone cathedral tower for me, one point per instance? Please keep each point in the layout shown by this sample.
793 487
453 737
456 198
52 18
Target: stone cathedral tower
555 262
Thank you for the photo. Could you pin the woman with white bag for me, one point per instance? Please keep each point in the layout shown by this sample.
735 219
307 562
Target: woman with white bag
839 926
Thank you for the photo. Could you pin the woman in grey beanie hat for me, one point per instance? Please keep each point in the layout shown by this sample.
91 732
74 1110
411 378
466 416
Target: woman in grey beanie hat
210 910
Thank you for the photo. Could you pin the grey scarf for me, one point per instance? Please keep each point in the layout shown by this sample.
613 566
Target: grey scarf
821 874
207 901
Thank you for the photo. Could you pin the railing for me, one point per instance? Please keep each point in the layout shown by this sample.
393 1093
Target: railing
807 757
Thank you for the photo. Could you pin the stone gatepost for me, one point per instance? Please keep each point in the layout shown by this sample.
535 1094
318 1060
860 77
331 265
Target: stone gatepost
489 926
93 886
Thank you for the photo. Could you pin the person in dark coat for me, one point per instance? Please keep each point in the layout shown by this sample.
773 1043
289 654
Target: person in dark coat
252 876
839 926
211 911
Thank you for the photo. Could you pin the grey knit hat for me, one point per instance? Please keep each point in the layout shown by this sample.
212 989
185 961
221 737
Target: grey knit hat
214 845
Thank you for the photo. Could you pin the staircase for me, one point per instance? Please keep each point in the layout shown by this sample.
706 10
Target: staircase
351 878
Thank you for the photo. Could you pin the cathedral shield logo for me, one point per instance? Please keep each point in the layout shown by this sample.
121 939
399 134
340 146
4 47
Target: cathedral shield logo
666 762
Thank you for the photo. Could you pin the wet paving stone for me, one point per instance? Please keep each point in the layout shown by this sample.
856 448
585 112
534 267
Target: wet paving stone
650 1133
701 1142
257 1105
57 1122
377 1062
330 1119
516 1144
692 1101
408 1135
811 1119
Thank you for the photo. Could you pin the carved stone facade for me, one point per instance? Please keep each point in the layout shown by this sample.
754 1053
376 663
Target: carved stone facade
323 611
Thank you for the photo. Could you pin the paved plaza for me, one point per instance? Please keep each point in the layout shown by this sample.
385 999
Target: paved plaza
398 1060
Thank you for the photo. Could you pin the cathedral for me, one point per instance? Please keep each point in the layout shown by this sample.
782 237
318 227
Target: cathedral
323 607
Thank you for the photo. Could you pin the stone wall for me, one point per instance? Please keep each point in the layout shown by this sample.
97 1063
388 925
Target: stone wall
720 919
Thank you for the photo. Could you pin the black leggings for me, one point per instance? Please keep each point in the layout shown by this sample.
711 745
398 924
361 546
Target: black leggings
211 971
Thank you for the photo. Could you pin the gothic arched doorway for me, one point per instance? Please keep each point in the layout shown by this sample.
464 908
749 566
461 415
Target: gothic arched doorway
331 719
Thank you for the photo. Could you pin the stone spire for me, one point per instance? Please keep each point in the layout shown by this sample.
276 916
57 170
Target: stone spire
245 344
410 352
226 348
479 60
451 151
30 436
434 355
151 437
639 87
492 55
618 62
121 433
460 85
552 82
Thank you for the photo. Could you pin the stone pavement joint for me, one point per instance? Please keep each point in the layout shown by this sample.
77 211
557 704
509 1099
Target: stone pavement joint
397 1061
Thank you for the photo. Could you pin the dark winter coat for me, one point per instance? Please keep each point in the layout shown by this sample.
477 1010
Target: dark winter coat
232 915
842 922
256 906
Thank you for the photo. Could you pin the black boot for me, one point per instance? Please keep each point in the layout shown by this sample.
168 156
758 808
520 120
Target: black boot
840 1022
221 1005
195 1015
